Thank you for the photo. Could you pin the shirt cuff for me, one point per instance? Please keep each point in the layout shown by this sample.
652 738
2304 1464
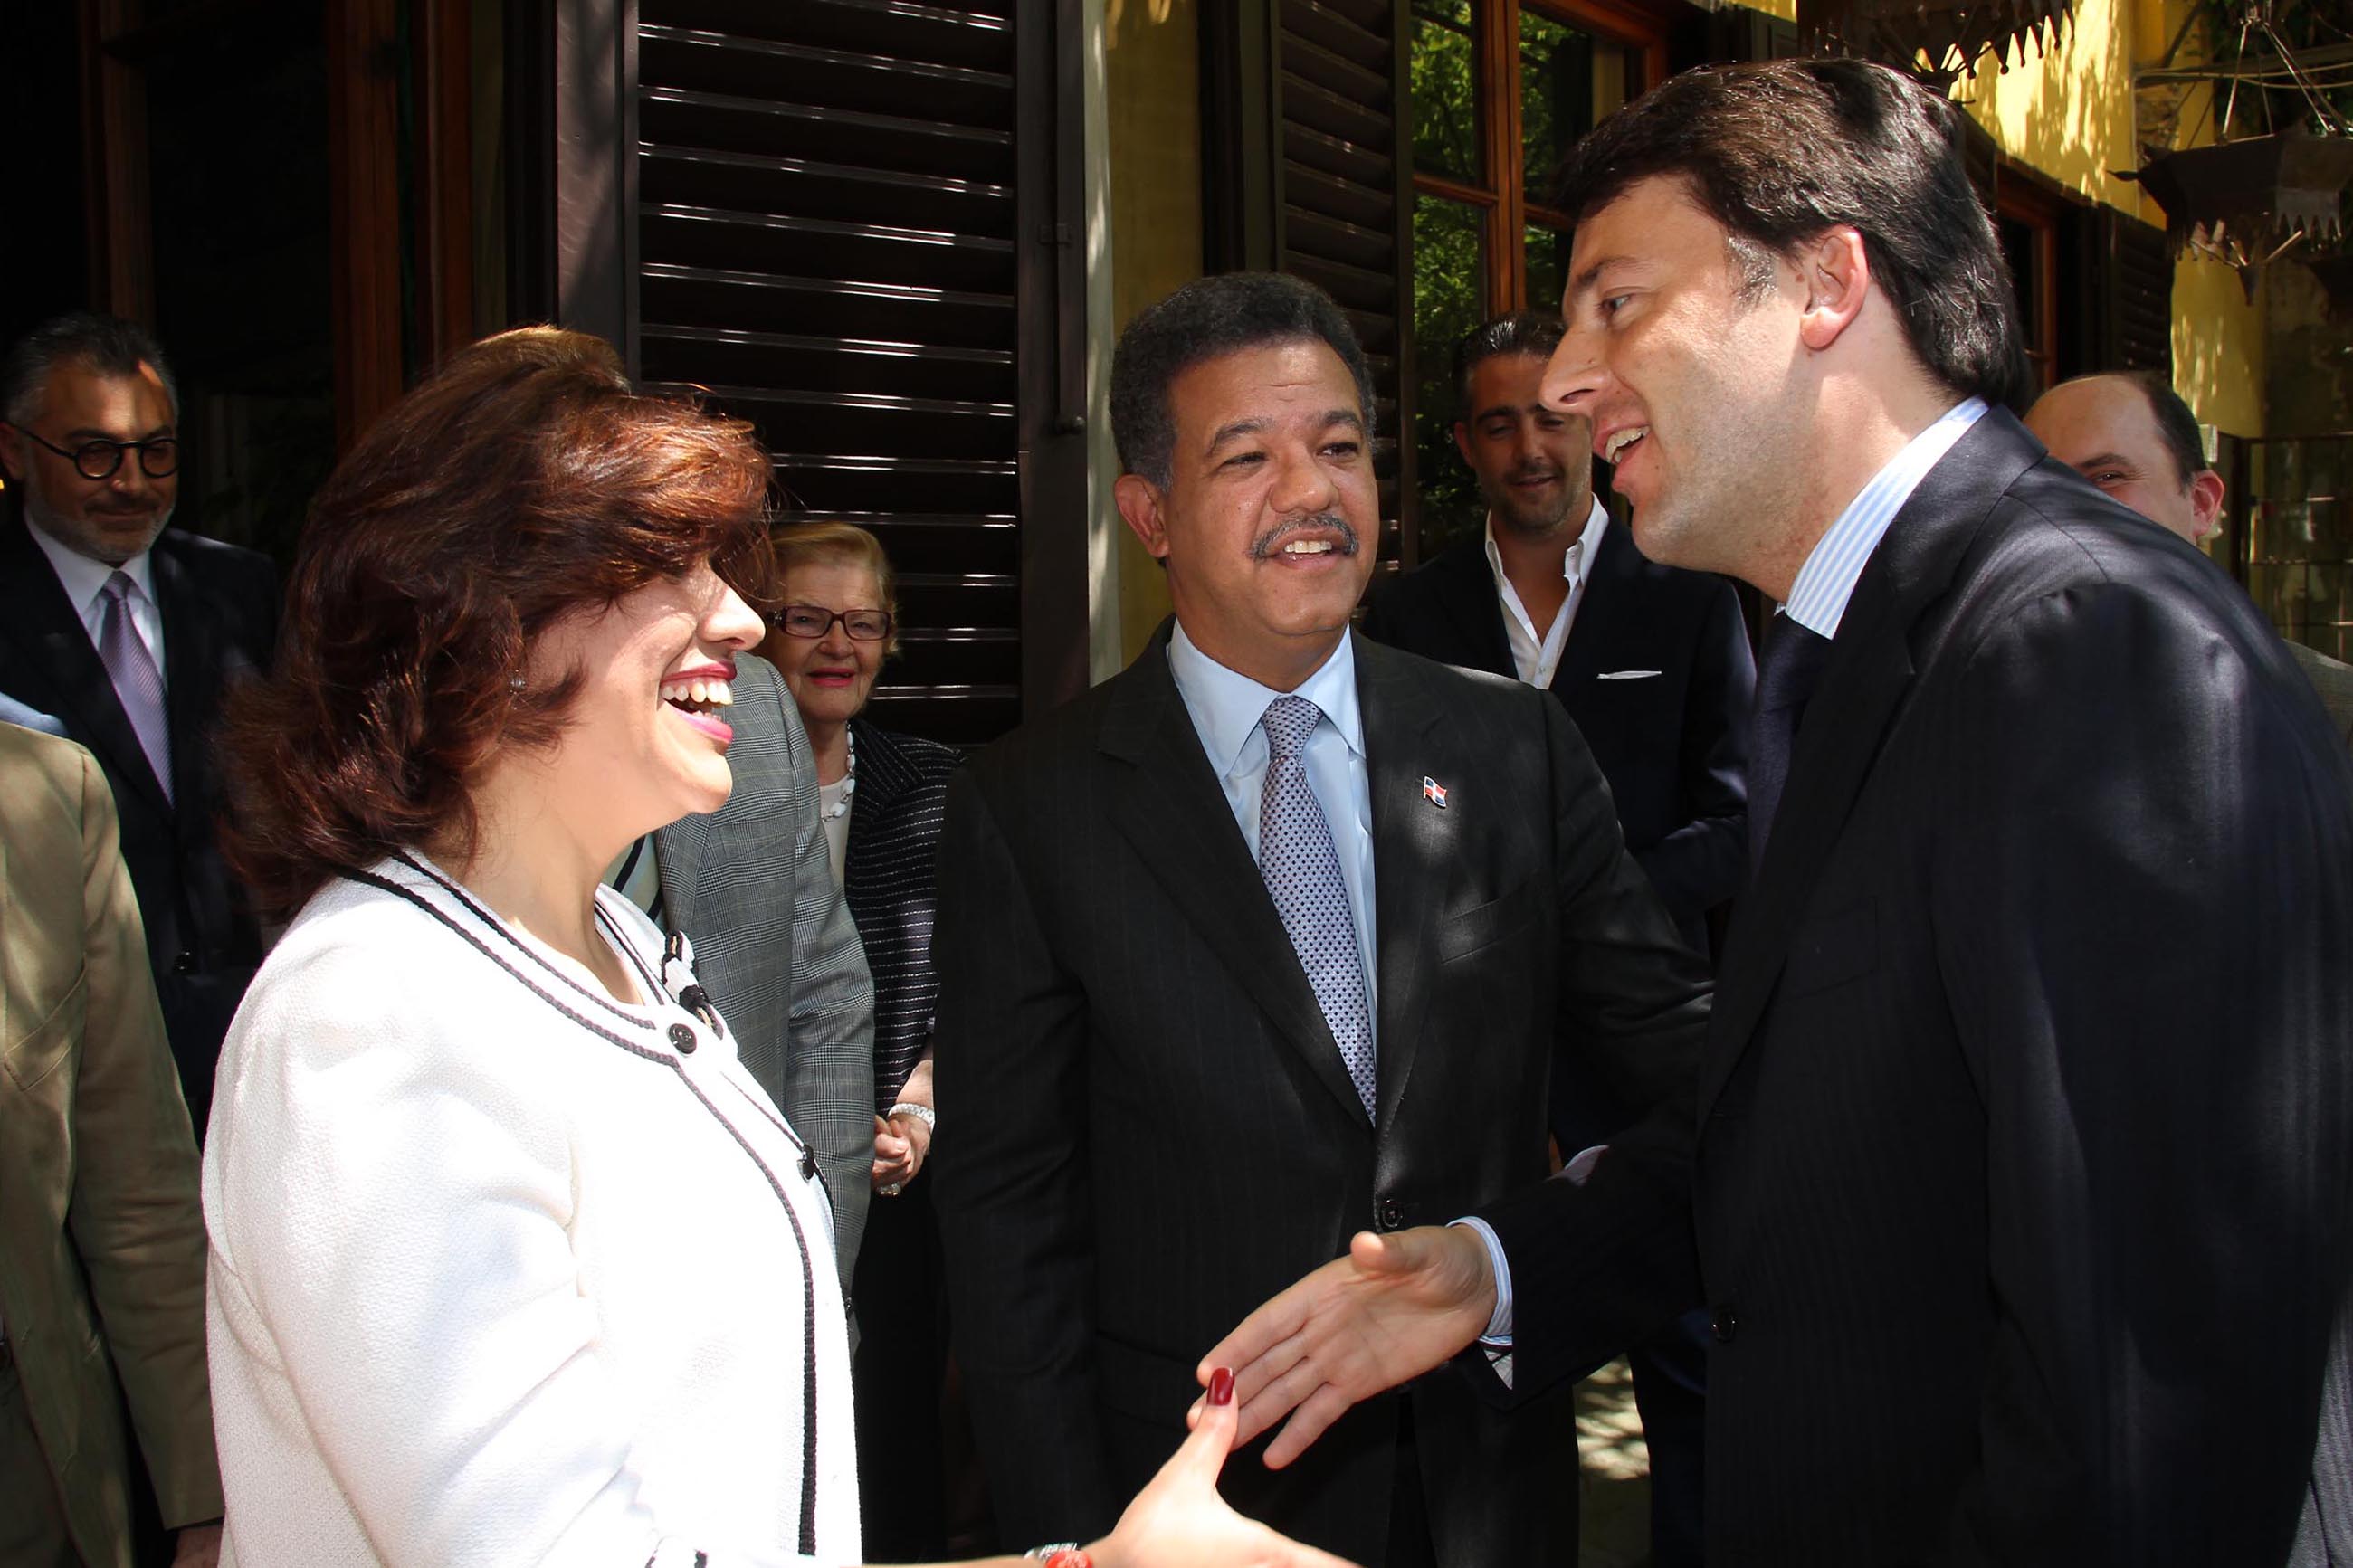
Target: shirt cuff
1499 1322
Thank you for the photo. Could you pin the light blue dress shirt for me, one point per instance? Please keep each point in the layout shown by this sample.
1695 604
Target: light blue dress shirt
1226 708
1826 581
1818 601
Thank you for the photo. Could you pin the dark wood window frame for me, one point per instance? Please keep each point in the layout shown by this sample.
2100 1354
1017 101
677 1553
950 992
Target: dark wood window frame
1502 197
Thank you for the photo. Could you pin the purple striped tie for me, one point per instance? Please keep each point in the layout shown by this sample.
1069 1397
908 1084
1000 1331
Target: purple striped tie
137 681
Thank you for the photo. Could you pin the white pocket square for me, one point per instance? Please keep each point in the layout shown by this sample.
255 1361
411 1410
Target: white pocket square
1627 674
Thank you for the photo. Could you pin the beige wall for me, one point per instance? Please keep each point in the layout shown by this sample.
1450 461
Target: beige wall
1151 58
2070 113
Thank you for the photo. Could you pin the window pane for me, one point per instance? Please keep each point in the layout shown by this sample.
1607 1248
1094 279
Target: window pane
1547 267
1446 111
1450 299
1568 80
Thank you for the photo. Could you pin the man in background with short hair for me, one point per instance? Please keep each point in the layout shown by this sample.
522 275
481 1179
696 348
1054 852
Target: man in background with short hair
127 633
2130 434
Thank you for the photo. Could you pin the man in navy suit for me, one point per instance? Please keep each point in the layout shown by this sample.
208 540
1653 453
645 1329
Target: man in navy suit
1653 666
126 635
2020 1165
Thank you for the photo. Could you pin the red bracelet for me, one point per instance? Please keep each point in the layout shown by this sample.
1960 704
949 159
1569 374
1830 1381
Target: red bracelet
1071 1557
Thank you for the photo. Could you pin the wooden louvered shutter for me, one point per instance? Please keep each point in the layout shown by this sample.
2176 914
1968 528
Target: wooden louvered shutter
2140 278
846 231
2118 292
1304 168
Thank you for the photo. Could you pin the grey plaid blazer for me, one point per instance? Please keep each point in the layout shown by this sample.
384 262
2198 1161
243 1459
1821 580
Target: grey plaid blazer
750 887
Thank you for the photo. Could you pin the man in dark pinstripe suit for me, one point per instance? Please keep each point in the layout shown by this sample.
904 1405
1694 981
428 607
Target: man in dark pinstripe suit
1226 978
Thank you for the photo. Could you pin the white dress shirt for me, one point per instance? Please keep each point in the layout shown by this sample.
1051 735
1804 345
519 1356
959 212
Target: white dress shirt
1817 602
1536 657
85 580
1226 708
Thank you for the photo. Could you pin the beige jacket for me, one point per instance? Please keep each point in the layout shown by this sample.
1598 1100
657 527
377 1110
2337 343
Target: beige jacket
101 1239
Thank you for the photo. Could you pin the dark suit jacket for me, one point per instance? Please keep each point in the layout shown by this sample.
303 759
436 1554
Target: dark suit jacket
220 606
891 877
1674 745
2023 1170
1145 1125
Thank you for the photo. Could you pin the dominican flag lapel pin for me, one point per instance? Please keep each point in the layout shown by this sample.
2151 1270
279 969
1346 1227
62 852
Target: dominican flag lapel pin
1433 792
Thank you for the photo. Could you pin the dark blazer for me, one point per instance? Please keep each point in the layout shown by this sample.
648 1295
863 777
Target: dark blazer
220 606
1674 745
2023 1160
891 877
1145 1128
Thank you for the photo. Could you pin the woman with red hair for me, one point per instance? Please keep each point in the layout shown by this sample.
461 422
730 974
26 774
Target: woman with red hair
511 1262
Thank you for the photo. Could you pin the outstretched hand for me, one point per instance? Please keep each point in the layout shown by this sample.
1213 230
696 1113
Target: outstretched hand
1179 1521
1397 1306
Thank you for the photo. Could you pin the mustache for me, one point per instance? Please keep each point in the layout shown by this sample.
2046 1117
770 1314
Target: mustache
1273 539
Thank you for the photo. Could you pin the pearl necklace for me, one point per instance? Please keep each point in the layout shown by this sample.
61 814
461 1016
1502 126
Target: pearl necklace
848 781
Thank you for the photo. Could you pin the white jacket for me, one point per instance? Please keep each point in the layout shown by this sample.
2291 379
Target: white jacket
505 1273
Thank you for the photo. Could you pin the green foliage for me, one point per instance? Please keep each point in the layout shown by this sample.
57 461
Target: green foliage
1449 302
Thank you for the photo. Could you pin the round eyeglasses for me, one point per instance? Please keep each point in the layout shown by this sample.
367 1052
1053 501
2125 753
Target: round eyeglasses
814 621
97 458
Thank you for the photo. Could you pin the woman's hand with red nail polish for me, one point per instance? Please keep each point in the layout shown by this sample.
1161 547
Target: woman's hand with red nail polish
1396 1306
1179 1521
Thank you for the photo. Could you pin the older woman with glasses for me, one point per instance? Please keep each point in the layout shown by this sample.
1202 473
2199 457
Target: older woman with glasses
884 798
512 1261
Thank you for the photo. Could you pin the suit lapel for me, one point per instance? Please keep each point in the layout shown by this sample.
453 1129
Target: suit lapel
1466 591
1616 565
193 668
41 621
1173 811
1869 672
1412 844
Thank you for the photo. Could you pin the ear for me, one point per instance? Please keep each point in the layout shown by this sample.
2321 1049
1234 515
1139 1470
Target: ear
11 453
1139 503
1462 441
2205 504
1836 276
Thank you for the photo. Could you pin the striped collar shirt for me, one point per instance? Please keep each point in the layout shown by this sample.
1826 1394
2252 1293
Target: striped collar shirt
1818 599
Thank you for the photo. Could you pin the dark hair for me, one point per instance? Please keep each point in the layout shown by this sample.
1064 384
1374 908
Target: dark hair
2176 425
1777 152
106 344
1208 318
1520 333
523 481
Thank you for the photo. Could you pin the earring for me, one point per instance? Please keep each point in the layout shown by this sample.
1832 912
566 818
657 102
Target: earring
514 683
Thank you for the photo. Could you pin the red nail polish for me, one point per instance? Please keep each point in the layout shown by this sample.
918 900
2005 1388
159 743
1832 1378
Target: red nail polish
1222 1386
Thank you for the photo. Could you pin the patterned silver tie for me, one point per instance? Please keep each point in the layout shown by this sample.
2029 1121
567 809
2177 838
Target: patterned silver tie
1303 873
137 681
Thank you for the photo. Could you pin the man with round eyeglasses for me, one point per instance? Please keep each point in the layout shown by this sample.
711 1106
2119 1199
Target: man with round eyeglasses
125 634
